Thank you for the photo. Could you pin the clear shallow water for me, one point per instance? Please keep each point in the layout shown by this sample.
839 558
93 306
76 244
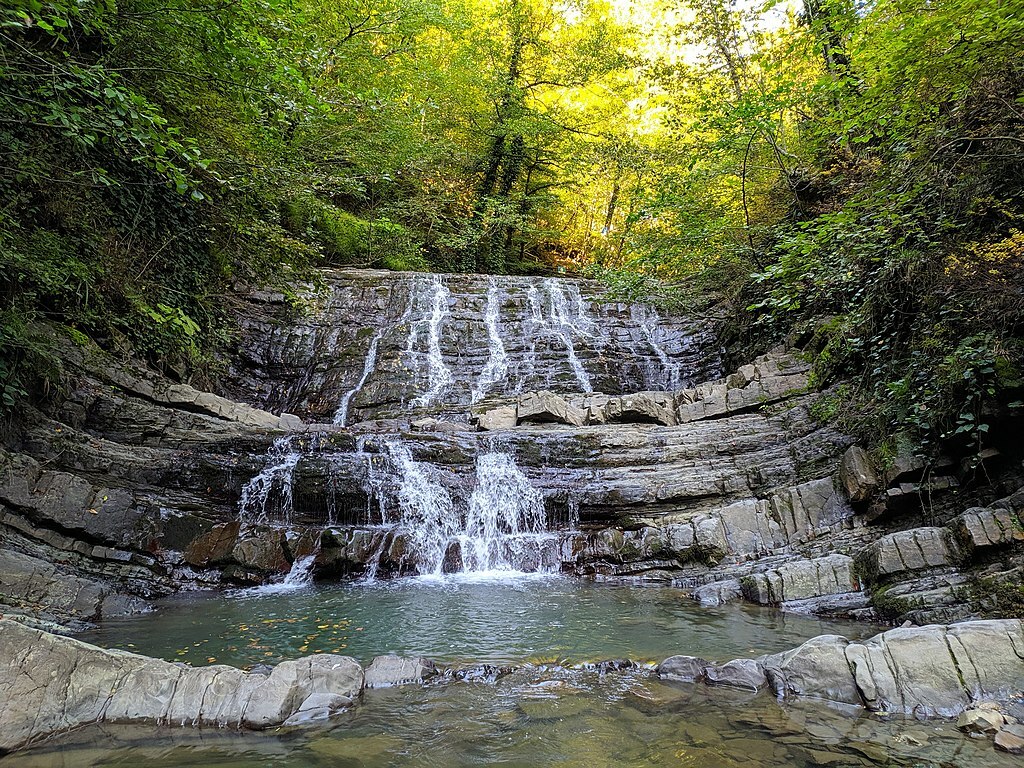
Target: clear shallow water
542 716
459 620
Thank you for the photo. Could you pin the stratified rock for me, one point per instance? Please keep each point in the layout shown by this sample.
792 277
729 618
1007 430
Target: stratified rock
54 683
42 589
547 407
686 669
800 580
911 550
1010 738
983 527
926 671
387 671
639 408
857 474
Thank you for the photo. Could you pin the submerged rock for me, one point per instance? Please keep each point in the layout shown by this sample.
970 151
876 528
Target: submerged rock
387 671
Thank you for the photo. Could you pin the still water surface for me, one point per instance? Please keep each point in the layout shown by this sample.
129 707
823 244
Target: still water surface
459 620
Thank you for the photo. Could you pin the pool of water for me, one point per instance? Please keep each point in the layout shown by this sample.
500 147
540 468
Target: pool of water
543 716
459 620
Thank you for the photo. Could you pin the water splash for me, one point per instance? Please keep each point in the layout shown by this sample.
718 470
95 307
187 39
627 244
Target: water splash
439 377
272 486
496 368
299 577
505 523
648 320
423 509
501 528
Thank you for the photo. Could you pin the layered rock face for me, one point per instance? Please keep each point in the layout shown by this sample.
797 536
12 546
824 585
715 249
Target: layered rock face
470 423
936 670
377 344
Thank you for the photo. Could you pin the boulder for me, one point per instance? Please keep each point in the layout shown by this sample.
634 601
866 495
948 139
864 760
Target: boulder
980 721
214 546
718 592
937 670
547 407
738 673
387 671
983 527
857 474
639 408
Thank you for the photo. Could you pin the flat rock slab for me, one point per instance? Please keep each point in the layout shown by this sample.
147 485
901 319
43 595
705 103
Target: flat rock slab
51 683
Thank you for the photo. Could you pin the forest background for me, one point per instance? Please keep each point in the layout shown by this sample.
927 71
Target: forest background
845 176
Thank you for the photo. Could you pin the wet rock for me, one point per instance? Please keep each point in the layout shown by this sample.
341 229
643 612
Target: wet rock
387 671
1010 738
263 551
718 592
925 671
547 407
504 417
53 683
213 546
980 721
857 474
738 673
685 669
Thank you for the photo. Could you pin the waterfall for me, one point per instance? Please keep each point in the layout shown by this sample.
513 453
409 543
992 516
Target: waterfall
564 322
496 367
276 477
439 378
341 415
501 528
505 522
423 509
647 318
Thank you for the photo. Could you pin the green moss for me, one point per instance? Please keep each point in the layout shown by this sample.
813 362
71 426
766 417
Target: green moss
890 607
999 596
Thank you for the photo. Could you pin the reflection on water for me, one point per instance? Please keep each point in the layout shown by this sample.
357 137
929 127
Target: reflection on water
459 620
543 716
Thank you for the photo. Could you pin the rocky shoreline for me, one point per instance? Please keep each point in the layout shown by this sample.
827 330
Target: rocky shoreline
52 684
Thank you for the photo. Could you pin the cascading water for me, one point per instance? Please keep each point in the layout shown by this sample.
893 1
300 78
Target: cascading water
274 481
505 523
564 323
439 377
496 368
647 318
502 526
436 520
341 415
